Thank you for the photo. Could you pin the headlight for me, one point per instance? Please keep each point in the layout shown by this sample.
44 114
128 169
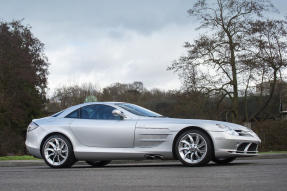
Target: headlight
32 126
227 129
253 133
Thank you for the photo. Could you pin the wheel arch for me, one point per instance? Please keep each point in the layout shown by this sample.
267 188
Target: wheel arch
191 128
54 133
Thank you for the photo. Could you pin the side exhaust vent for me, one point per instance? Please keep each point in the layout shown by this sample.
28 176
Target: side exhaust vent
154 156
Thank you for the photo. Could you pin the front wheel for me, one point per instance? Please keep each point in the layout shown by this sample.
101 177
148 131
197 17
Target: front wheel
193 148
223 160
98 163
57 152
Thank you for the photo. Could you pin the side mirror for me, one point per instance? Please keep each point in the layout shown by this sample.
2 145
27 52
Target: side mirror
117 112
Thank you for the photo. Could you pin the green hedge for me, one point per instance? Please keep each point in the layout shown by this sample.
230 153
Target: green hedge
273 135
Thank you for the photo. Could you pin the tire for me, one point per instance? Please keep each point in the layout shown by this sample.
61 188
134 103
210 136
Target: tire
195 152
223 160
57 152
98 163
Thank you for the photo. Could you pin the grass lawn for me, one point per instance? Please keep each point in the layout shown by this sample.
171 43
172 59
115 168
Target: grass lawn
22 157
274 152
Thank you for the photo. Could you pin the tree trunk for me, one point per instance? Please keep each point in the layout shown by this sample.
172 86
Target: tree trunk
245 99
270 95
234 80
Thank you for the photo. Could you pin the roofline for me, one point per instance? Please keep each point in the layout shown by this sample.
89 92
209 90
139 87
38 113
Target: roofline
74 107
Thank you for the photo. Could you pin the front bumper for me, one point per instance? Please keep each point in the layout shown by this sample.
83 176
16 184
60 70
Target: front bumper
234 146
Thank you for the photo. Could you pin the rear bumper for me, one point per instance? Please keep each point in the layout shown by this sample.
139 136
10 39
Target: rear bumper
34 151
235 146
33 142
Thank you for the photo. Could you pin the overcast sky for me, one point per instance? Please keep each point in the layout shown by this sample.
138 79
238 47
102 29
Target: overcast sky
108 41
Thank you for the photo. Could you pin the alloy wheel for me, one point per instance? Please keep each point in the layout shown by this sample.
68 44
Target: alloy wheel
56 151
192 148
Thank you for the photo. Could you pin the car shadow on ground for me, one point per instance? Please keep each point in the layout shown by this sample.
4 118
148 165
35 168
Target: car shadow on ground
158 165
131 166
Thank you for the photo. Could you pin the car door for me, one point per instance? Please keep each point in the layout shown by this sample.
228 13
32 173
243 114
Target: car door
96 126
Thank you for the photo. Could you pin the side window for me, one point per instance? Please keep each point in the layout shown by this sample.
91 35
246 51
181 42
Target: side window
88 112
74 114
105 112
98 111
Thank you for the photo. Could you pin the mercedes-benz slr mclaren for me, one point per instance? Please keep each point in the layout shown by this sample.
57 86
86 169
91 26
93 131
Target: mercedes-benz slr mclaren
99 132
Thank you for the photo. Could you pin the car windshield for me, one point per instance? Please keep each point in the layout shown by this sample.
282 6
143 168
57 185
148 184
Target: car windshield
57 114
137 110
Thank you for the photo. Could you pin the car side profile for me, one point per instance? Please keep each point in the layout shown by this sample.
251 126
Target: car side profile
98 132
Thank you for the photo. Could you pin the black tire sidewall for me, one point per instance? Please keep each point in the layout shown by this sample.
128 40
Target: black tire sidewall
71 157
209 152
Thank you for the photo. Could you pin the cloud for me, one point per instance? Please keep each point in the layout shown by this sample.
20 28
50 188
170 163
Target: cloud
109 41
131 57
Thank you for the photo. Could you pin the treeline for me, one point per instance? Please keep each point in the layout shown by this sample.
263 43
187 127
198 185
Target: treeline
183 104
172 103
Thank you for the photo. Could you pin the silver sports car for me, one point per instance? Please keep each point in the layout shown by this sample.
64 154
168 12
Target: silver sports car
99 132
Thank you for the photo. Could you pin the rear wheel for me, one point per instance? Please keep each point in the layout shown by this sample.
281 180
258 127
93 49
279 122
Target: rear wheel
57 152
98 163
193 148
223 160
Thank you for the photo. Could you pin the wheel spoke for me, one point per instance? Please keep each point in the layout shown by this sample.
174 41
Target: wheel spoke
63 156
185 142
196 155
51 155
57 143
191 156
64 151
58 157
54 158
184 148
62 145
52 144
197 139
190 138
49 149
201 145
201 151
185 155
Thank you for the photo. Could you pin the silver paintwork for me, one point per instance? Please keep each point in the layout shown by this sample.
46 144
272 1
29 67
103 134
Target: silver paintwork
133 137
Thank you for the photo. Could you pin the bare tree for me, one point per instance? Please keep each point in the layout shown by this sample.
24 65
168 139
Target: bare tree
215 62
66 96
269 47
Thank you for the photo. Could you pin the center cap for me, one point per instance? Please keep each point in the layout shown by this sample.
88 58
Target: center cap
58 151
192 149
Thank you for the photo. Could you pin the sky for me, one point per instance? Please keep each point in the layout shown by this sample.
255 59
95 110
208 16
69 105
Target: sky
107 41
